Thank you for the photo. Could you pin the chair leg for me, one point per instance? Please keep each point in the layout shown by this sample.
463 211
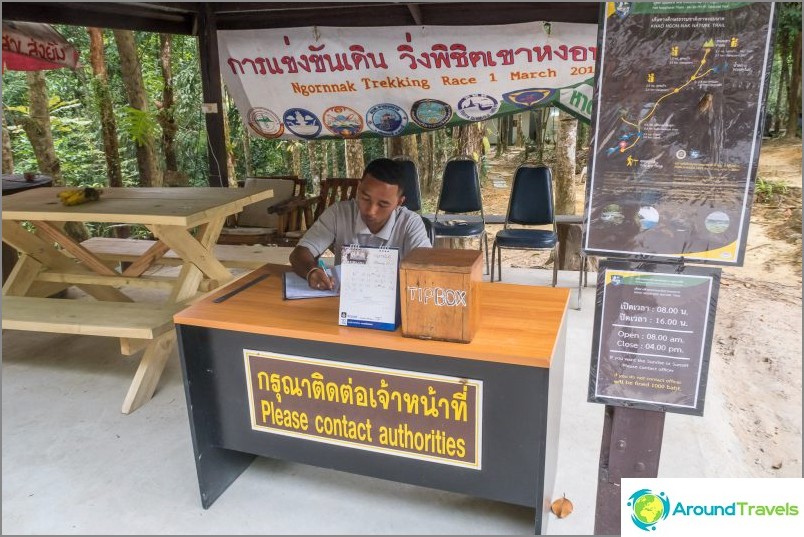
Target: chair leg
484 245
499 263
493 252
555 265
580 280
585 271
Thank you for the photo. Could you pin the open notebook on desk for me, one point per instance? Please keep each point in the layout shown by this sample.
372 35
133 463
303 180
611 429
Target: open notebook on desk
296 287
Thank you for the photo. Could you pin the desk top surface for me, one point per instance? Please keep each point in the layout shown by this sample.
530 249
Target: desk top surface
519 324
181 206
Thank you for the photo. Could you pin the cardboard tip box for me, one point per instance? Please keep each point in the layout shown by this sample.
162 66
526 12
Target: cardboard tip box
440 294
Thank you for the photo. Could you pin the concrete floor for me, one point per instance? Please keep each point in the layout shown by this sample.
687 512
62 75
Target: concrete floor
73 464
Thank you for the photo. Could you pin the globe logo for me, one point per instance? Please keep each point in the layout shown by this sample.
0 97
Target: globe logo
648 508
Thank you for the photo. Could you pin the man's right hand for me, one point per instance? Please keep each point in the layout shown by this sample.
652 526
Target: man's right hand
319 279
305 266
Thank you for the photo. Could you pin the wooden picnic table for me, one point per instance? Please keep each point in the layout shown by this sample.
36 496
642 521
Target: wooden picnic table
186 221
14 183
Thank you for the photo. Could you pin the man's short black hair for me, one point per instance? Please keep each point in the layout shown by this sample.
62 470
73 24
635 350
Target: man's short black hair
386 170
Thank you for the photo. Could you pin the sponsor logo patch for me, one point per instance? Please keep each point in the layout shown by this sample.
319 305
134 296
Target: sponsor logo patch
529 97
302 123
265 123
430 113
477 107
343 121
386 119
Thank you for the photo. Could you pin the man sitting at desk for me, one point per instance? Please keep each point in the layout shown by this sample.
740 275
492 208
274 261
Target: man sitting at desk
375 218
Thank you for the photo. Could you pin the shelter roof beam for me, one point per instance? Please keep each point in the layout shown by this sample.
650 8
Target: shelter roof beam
416 13
142 17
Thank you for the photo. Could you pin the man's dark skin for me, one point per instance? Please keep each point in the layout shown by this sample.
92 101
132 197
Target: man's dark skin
376 201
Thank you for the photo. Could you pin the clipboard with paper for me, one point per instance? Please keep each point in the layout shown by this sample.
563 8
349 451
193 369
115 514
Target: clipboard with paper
369 287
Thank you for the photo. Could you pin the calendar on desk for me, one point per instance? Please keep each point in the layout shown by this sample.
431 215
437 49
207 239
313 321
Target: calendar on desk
369 287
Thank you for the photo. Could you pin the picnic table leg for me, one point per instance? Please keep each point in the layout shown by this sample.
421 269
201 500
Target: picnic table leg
22 276
199 260
43 251
151 366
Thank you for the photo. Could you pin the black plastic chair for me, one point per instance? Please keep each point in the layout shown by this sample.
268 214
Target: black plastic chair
460 194
412 190
530 204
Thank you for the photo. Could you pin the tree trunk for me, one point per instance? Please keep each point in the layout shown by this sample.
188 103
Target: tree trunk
441 150
564 170
247 154
296 158
410 147
135 91
230 160
166 118
520 134
470 140
564 178
395 147
111 150
794 93
8 157
355 163
498 147
37 128
333 152
783 46
425 166
318 161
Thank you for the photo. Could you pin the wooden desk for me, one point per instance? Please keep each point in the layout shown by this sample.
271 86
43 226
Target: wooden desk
171 214
516 359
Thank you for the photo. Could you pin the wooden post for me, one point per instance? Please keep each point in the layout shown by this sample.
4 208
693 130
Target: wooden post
631 446
212 94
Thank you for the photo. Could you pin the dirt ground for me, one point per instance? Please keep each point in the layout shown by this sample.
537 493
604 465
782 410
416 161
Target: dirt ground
757 348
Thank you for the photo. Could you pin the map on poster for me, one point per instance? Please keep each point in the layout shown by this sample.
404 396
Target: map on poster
678 116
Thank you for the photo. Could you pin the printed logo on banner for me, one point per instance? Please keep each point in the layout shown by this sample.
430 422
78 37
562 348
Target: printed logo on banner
302 123
648 508
386 119
343 121
529 97
265 123
477 107
430 113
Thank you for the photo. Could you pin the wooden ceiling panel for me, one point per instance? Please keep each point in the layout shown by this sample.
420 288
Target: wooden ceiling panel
181 17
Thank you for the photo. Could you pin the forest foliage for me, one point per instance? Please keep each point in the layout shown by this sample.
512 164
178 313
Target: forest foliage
77 131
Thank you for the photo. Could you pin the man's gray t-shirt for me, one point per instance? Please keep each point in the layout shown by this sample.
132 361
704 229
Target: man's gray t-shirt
341 224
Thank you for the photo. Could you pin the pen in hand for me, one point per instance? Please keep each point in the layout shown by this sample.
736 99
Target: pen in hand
327 282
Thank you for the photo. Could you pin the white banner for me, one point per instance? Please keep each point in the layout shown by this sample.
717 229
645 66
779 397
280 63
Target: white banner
388 81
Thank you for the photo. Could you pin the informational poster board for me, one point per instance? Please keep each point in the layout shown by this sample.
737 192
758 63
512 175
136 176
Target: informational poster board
653 335
369 287
678 116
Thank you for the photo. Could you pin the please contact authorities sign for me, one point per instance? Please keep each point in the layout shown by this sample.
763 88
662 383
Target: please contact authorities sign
403 413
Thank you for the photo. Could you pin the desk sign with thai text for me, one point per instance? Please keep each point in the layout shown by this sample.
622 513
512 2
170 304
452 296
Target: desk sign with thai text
653 326
405 413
